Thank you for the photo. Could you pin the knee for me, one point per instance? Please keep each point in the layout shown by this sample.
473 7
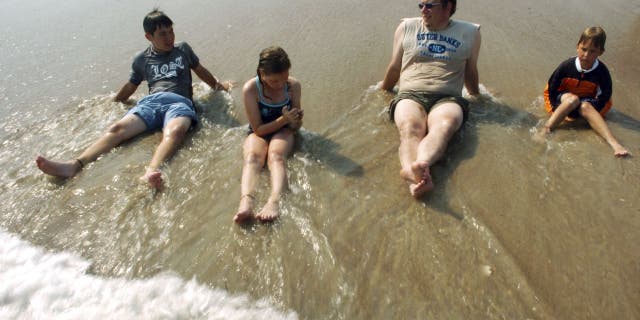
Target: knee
446 126
571 99
276 158
253 158
587 108
116 129
176 134
409 129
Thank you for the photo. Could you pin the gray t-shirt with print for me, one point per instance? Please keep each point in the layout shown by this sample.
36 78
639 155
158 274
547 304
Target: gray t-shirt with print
166 72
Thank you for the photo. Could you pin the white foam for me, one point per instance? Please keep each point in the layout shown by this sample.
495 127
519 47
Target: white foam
35 284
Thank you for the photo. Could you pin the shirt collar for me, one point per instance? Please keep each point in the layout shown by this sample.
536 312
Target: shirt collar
579 67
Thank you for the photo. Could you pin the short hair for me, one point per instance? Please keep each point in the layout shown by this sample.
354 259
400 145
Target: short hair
155 19
453 5
596 35
273 60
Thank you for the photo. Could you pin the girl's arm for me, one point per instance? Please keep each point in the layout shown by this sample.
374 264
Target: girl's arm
296 113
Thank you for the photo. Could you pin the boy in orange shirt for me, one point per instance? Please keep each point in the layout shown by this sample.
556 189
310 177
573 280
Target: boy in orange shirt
581 87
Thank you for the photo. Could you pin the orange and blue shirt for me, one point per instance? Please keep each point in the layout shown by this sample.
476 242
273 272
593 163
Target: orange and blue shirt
594 84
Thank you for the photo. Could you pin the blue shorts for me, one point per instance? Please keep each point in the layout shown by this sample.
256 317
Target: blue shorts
156 110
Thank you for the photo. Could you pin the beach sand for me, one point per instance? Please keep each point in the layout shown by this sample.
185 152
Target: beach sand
514 229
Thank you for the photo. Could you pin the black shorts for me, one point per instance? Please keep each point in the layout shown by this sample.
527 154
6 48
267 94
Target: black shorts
266 137
428 100
575 113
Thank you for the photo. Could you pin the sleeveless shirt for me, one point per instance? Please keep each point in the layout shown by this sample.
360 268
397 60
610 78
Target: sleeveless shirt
271 111
434 61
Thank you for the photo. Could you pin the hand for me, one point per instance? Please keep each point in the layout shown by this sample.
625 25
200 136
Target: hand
478 98
384 96
296 124
128 102
293 116
225 85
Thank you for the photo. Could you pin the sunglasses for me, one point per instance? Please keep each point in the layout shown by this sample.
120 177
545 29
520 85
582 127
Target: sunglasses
428 5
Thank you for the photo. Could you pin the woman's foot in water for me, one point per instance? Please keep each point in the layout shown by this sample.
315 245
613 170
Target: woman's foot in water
245 209
269 212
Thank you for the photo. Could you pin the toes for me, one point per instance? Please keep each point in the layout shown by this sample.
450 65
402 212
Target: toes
241 217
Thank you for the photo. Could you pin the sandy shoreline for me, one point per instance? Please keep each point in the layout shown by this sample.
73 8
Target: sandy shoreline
556 223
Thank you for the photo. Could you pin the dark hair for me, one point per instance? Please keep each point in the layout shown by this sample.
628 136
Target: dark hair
155 19
453 5
594 34
273 60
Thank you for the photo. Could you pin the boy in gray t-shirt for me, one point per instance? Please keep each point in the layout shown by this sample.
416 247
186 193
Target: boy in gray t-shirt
166 67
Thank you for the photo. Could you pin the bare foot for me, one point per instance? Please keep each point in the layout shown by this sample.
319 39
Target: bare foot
419 179
421 188
408 176
420 170
245 210
620 151
153 177
269 212
541 134
59 169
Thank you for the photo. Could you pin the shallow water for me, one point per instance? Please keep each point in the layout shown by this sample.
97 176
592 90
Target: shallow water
514 229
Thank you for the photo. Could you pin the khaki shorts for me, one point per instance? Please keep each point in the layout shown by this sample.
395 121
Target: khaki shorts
428 100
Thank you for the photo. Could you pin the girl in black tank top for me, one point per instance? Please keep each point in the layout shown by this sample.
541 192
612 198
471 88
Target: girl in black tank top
272 104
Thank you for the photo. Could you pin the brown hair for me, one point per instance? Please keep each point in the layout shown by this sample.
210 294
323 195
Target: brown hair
594 34
273 60
453 5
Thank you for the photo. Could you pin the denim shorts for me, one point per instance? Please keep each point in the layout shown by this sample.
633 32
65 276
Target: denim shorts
156 110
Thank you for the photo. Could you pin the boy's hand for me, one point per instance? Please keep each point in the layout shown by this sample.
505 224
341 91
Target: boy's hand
225 85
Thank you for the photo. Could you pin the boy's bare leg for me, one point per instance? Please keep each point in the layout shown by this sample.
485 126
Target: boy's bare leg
600 126
254 155
279 148
124 129
568 103
172 136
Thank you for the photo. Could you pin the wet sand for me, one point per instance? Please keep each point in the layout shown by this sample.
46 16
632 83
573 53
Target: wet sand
514 229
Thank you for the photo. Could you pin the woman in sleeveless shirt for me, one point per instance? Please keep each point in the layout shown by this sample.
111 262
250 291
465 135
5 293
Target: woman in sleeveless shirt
272 105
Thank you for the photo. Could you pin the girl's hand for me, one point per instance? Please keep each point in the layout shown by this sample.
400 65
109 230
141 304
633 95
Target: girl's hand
298 122
293 116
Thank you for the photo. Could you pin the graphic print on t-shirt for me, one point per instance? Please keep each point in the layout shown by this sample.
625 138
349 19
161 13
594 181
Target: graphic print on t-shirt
167 71
435 45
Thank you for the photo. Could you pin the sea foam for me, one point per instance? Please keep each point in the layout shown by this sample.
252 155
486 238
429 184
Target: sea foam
35 284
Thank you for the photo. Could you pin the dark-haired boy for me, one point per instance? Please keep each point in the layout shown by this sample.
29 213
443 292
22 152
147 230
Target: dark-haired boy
166 66
581 87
